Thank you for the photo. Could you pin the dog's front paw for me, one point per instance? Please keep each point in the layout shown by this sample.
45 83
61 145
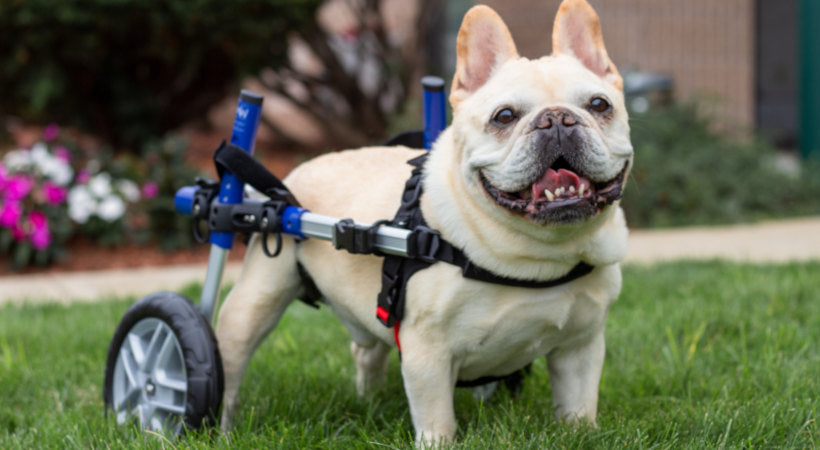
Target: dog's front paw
430 440
577 419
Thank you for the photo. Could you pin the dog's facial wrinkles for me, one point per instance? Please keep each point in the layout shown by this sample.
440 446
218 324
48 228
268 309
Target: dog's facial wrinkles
560 176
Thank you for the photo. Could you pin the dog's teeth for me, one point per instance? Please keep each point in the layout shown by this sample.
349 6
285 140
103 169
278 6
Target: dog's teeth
581 190
560 191
549 195
572 189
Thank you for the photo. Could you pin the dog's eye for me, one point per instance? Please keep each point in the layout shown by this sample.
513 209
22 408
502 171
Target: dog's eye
599 105
504 117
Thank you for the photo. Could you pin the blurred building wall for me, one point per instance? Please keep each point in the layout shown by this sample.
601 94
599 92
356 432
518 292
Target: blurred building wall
707 46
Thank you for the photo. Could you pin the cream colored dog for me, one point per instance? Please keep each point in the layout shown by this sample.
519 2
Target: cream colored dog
526 181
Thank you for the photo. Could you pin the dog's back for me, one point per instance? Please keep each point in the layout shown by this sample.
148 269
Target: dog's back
364 184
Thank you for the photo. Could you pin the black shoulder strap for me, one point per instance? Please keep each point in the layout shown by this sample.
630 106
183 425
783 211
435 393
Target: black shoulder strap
231 158
412 139
397 270
426 246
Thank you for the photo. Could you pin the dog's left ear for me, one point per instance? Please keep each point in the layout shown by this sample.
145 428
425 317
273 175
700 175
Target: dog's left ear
484 43
577 32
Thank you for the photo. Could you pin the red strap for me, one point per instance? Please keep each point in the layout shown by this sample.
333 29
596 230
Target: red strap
382 314
396 334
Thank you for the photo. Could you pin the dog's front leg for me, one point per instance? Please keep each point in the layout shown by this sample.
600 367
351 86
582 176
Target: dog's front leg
575 374
429 381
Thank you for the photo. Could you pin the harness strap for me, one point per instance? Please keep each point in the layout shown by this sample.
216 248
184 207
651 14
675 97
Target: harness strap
229 157
426 247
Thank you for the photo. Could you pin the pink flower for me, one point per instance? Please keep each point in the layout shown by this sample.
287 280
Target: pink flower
10 213
18 233
62 153
54 194
51 132
40 234
17 187
83 176
150 190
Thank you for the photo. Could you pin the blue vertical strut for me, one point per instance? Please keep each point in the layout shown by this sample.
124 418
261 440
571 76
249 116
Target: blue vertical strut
435 112
231 191
231 188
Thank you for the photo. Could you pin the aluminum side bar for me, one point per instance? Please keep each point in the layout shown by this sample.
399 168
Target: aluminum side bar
389 240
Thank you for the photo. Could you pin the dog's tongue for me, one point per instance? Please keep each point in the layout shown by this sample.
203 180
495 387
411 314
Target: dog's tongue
553 180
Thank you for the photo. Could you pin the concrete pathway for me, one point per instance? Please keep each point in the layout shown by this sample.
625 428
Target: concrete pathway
68 287
778 241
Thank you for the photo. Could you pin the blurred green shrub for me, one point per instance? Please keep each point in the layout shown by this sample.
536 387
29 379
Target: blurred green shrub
686 173
132 70
166 171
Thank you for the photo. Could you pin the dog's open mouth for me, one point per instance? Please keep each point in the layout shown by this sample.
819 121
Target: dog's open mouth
561 195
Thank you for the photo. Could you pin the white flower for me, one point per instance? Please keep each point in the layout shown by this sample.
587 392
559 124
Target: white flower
17 160
81 204
62 173
129 190
100 184
111 208
40 155
57 171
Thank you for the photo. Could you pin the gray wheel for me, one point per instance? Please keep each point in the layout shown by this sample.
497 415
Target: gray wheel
163 371
150 383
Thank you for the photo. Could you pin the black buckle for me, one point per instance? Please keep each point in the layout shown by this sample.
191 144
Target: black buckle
201 207
387 299
423 243
284 195
355 238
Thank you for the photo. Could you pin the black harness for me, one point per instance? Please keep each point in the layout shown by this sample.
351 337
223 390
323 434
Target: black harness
429 248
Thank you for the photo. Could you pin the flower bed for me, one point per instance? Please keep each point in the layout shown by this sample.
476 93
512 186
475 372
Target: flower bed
54 191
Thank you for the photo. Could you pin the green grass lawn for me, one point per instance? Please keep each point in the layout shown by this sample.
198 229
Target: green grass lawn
699 355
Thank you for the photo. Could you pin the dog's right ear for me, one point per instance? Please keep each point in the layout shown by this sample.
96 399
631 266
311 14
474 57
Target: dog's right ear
484 43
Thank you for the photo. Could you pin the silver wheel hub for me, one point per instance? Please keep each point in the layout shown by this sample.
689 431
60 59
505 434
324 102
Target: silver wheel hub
150 386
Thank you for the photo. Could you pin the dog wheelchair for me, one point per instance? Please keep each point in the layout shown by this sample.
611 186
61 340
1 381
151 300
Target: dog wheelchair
163 369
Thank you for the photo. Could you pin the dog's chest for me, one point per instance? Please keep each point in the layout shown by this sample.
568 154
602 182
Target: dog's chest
494 329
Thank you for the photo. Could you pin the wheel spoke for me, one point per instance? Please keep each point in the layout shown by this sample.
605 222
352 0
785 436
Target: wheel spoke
166 353
130 399
168 407
143 414
152 351
161 378
156 424
135 346
130 367
128 415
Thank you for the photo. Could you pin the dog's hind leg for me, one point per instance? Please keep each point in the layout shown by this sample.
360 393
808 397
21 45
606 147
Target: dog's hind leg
265 288
371 364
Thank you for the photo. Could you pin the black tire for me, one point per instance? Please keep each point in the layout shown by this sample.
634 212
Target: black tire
194 360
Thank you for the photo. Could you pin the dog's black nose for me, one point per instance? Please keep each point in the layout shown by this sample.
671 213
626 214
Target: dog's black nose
556 116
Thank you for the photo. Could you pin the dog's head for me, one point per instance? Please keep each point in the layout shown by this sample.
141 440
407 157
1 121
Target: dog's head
545 140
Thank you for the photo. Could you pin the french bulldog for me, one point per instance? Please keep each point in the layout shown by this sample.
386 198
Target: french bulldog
526 181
